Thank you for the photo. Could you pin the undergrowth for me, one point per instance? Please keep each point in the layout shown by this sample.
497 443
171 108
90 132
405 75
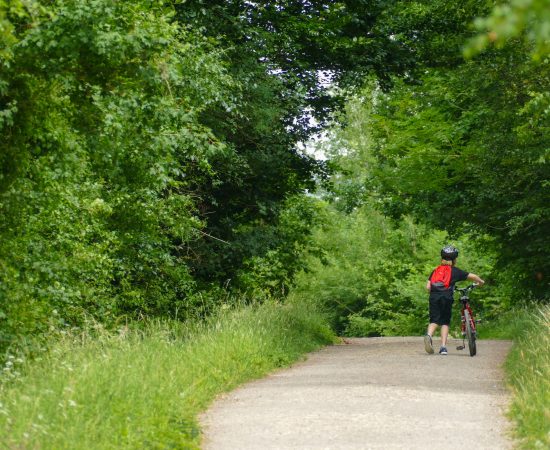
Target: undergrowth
508 325
528 372
144 388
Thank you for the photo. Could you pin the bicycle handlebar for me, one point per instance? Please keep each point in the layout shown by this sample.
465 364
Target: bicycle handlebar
467 288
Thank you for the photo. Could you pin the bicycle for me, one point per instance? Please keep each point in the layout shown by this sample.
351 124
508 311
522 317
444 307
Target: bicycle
468 322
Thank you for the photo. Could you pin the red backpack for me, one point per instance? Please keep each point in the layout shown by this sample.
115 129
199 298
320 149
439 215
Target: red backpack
441 277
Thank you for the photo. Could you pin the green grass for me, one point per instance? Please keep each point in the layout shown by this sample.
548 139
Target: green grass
509 325
144 389
528 370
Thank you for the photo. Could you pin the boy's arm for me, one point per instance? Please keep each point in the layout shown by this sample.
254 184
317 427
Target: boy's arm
473 277
428 285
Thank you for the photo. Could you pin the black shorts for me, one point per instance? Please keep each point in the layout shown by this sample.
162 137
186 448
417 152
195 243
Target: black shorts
440 309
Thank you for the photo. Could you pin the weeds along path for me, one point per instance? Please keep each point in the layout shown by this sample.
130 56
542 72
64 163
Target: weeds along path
377 393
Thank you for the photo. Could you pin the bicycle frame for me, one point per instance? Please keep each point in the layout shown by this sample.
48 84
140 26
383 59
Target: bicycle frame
468 325
465 301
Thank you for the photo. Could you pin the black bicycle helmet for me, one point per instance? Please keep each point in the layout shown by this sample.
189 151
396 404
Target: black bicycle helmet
449 253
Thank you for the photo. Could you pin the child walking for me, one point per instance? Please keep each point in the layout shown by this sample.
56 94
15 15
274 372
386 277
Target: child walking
441 286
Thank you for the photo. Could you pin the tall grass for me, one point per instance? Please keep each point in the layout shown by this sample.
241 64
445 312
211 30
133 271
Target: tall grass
144 389
510 324
528 369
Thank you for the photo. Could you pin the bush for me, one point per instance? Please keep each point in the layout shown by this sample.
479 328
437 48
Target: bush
372 273
101 139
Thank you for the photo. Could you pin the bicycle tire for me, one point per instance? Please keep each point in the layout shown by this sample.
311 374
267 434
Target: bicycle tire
470 334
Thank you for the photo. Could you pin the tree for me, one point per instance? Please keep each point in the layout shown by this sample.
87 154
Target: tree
465 150
278 51
100 104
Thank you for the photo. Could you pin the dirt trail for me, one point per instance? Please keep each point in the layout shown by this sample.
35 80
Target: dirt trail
377 393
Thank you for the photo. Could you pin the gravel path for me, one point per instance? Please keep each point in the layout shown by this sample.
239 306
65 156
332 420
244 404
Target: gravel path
377 393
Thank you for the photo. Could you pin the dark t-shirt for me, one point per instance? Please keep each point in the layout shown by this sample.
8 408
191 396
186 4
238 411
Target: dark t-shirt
456 275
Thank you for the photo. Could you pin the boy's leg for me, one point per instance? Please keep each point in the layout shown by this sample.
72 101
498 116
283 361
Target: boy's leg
444 335
435 313
428 345
432 327
446 311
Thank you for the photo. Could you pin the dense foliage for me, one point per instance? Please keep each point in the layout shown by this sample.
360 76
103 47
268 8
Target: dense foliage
150 167
101 124
463 149
287 56
148 153
476 161
456 152
149 158
372 272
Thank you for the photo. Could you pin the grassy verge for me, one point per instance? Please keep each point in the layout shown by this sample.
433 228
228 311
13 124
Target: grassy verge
144 389
528 370
510 324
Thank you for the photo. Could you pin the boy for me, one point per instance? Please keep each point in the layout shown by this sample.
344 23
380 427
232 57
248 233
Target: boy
441 286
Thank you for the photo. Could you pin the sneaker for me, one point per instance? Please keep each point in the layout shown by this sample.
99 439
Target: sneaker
443 351
428 344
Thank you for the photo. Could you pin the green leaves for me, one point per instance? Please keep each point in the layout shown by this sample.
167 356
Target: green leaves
511 20
463 149
102 131
149 150
369 273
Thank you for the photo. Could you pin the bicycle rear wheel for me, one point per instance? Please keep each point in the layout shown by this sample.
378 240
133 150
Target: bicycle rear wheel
470 334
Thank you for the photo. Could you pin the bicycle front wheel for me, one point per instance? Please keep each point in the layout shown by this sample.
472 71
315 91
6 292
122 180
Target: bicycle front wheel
470 333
